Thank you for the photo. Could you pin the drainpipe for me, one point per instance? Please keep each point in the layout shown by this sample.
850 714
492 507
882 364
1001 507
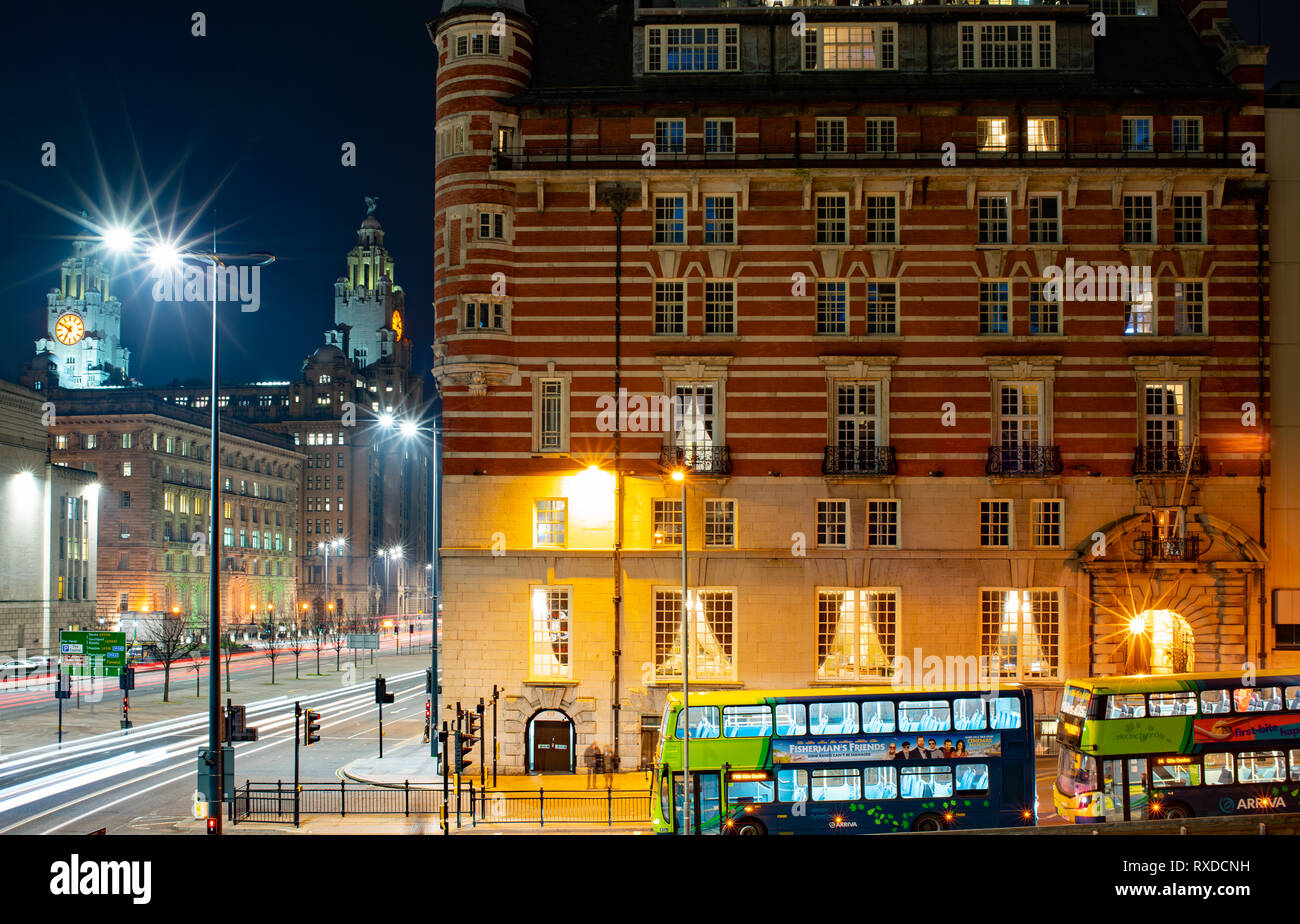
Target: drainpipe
618 198
1264 436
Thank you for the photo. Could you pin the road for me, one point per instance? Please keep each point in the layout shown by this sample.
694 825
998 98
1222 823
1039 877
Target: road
143 782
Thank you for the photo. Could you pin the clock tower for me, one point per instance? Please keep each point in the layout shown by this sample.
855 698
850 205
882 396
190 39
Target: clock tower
84 324
369 308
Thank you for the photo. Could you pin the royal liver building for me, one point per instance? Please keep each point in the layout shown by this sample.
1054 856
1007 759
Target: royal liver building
83 342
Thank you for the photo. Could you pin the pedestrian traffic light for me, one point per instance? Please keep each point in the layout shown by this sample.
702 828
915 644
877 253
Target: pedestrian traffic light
237 724
126 679
381 691
312 727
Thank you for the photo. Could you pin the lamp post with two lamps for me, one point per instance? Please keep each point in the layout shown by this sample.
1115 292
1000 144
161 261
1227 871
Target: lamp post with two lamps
167 256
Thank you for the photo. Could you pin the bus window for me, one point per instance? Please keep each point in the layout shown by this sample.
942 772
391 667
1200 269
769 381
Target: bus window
1258 699
1076 773
882 782
836 785
1218 769
1126 706
663 795
1260 767
792 785
1169 772
1215 702
972 777
704 722
1005 713
791 719
877 717
755 791
968 714
1293 697
926 783
1173 704
833 718
924 715
1295 763
746 721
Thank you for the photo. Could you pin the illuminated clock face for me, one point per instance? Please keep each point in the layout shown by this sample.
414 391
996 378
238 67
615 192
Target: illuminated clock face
69 329
396 324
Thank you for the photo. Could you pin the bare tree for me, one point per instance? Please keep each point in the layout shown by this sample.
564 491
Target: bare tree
335 629
173 641
272 648
227 649
295 644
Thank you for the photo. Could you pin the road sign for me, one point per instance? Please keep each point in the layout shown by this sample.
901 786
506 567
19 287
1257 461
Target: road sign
93 654
364 641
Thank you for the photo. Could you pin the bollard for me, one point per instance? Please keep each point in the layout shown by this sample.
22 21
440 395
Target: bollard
609 804
541 806
343 798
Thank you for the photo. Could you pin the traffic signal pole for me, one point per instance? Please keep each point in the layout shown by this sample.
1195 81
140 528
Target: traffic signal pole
297 789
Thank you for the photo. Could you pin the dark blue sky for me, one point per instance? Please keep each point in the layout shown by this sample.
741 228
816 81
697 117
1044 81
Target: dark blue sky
256 111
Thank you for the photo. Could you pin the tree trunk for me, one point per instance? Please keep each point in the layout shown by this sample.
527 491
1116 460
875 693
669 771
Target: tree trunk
167 679
295 666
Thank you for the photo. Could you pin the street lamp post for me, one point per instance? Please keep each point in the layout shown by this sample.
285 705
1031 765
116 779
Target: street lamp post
167 255
680 476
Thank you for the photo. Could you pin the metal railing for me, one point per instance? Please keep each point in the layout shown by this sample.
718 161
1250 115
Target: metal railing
702 459
275 803
845 460
1170 460
857 152
1152 548
1024 460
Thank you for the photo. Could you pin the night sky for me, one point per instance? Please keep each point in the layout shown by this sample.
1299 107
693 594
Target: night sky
251 117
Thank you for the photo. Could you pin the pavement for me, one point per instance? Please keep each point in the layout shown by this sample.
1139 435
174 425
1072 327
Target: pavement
411 763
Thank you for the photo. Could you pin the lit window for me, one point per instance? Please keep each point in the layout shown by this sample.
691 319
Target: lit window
1020 639
856 633
1041 135
991 135
549 641
849 47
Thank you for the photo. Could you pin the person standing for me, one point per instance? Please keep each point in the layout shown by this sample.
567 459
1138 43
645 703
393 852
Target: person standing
597 763
611 767
589 757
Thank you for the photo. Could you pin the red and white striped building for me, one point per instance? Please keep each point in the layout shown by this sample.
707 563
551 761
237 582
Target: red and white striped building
953 313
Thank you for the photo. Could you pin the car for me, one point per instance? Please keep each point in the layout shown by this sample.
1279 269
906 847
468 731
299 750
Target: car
45 664
17 667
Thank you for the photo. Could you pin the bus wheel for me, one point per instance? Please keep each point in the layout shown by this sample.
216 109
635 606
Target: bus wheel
1177 810
749 826
928 823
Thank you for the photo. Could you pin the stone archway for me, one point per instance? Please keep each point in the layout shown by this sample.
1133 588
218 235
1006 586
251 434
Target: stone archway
1212 592
517 712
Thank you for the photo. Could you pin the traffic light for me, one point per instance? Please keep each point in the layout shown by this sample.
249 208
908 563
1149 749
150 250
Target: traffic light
428 710
381 691
237 725
466 740
428 680
126 679
312 726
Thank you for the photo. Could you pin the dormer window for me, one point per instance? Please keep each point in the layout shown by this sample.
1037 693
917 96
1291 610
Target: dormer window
1008 46
849 48
676 49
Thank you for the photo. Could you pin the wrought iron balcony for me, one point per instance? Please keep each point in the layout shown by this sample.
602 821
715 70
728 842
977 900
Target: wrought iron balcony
1024 460
1152 548
1170 460
846 460
703 459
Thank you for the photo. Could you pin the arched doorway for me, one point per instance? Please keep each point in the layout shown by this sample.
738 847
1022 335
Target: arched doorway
1160 642
549 742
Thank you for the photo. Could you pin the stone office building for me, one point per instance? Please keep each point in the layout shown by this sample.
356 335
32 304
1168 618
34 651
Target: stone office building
49 554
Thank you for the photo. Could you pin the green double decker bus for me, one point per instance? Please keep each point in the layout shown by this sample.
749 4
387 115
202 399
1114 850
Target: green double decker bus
1179 746
860 760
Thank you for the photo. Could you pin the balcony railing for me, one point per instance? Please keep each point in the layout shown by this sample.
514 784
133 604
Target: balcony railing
702 459
801 151
1024 460
1152 548
846 460
1170 460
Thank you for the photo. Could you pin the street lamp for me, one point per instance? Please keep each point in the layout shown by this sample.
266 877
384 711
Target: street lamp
166 255
679 475
324 549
